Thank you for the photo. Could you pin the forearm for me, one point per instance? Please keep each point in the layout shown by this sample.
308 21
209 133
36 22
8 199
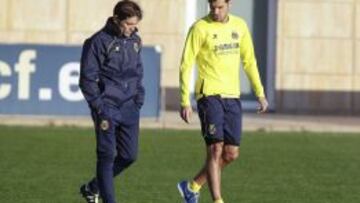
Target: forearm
91 92
185 74
255 80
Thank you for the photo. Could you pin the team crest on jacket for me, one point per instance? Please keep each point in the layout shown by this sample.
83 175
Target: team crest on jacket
235 35
104 125
136 47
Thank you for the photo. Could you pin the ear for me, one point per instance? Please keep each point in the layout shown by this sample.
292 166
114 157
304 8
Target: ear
115 19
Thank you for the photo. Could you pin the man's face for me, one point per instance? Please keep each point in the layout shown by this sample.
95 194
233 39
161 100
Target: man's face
219 10
129 25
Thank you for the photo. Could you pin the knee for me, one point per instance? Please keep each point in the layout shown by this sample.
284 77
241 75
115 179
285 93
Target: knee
129 161
125 161
216 150
230 156
106 155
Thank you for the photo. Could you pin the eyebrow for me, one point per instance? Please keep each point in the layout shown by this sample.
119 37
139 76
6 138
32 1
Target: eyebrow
212 7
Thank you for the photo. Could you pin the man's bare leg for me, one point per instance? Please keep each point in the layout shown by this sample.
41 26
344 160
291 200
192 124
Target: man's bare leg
229 154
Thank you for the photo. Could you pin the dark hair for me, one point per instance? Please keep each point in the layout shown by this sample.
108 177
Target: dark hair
126 9
210 1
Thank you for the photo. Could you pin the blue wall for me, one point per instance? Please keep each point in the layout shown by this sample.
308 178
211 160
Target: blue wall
43 80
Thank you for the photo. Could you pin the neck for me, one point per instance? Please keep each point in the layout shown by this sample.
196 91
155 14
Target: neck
226 19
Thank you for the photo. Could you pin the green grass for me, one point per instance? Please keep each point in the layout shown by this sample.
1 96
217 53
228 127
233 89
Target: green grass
47 165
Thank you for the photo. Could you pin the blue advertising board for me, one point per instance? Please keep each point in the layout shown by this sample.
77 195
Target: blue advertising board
43 80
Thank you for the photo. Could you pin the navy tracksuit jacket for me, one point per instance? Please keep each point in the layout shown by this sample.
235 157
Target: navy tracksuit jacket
111 81
111 69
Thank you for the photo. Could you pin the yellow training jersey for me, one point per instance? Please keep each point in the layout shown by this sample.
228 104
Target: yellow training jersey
218 49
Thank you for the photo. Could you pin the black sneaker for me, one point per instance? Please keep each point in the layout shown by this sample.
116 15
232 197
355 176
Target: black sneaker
88 195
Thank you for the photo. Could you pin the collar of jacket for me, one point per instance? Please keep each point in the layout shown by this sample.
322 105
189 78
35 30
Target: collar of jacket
112 29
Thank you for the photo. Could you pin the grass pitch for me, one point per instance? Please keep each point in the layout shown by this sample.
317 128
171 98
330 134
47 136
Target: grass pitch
47 165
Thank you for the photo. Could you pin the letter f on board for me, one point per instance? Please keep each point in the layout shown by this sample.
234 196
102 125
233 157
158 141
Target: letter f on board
24 67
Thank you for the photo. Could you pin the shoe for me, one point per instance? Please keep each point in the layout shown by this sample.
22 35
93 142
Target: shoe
186 194
88 195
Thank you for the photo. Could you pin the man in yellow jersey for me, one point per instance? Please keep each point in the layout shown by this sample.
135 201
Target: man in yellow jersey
218 43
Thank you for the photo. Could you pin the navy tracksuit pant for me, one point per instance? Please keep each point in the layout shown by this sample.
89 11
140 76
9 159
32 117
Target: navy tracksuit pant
116 146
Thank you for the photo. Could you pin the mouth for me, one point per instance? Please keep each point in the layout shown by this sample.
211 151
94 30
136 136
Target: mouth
215 17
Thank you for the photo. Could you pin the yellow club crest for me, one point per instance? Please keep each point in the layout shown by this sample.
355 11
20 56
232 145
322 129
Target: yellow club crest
104 125
212 129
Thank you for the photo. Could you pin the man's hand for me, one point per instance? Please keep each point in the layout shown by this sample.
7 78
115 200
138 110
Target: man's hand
185 113
263 105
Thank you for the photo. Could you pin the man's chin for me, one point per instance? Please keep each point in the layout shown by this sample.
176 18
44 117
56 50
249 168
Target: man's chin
217 19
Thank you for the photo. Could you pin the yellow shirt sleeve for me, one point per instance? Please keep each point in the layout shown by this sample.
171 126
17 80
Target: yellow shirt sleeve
249 62
192 46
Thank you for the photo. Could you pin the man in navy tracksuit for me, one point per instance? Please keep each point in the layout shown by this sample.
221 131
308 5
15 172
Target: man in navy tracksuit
111 81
